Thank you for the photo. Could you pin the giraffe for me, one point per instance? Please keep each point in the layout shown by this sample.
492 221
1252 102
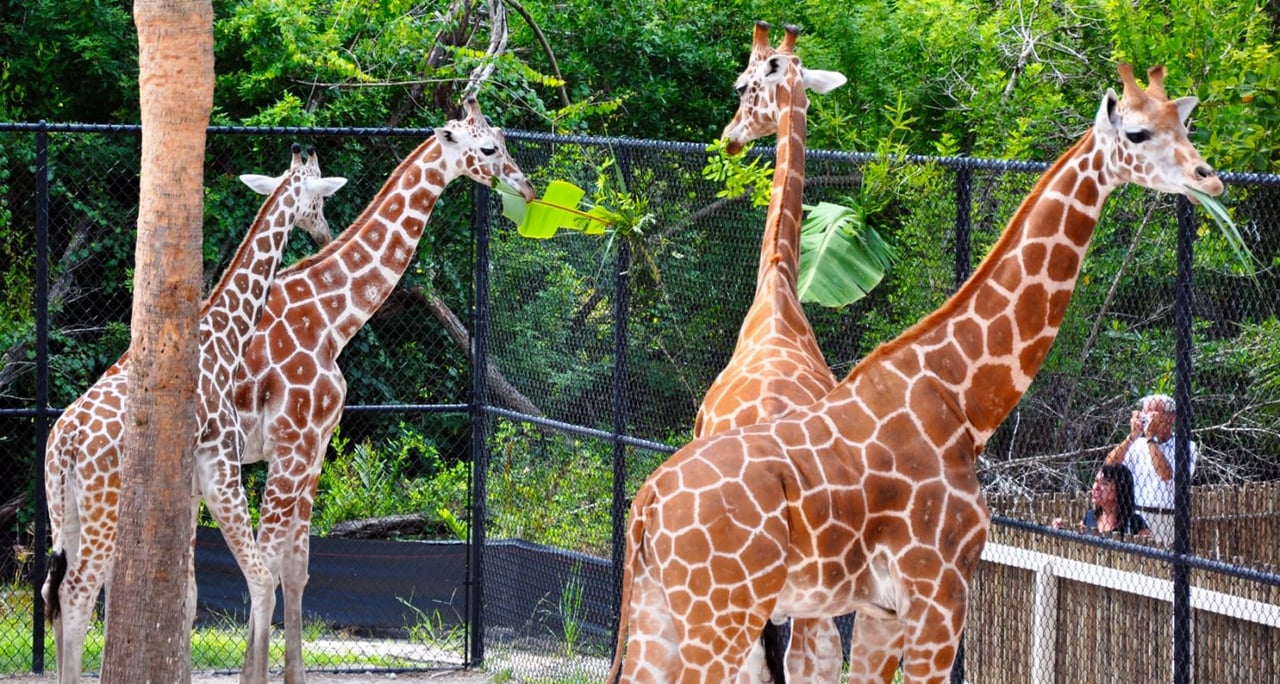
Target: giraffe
83 452
776 365
868 500
290 391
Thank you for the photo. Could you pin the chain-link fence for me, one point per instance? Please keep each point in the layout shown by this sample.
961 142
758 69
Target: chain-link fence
599 349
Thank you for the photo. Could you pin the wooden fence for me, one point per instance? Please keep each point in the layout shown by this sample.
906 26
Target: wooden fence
1045 609
1237 524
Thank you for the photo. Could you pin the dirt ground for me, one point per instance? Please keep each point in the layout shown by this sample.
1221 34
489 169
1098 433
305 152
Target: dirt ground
435 677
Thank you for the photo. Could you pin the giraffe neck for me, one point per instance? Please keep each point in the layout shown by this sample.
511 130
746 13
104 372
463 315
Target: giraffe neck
235 302
780 250
986 343
353 275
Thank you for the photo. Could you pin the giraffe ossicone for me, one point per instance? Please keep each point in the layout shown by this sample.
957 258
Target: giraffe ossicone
868 500
84 448
290 390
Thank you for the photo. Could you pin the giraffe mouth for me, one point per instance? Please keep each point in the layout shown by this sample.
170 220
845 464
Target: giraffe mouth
1203 193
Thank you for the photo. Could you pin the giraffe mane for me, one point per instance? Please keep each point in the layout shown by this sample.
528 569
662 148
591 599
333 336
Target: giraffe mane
258 220
365 216
980 275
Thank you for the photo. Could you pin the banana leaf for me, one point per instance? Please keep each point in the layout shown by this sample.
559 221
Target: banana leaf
841 258
556 209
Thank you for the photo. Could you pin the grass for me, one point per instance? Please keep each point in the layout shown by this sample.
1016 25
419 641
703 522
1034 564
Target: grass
217 646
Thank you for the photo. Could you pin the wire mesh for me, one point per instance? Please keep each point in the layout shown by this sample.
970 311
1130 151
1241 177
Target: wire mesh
582 342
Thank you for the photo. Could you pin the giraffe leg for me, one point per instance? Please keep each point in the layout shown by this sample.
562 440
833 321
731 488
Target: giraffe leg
294 581
652 655
757 669
754 669
295 574
711 653
717 631
876 649
225 499
285 524
815 653
933 628
79 592
90 550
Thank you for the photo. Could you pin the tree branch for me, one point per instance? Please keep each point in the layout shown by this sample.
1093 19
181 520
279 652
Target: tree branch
546 48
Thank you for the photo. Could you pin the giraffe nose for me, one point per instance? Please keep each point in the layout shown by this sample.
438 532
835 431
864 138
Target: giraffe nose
1206 180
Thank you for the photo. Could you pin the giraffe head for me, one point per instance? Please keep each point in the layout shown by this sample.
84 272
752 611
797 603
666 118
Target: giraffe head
768 72
1145 136
308 188
479 151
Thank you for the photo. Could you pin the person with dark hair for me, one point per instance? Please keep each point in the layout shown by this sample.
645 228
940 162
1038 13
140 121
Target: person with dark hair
1148 454
1113 511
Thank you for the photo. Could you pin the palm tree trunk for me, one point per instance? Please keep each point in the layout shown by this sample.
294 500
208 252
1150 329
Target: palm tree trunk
148 608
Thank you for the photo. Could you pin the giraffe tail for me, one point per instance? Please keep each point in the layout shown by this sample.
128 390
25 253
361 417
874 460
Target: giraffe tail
57 571
635 537
774 653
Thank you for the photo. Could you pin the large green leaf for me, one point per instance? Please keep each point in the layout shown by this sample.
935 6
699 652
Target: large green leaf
1230 233
841 258
556 209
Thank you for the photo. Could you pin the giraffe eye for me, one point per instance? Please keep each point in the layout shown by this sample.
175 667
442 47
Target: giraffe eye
741 89
1138 137
488 151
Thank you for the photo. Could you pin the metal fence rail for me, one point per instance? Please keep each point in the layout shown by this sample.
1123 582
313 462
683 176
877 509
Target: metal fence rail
596 351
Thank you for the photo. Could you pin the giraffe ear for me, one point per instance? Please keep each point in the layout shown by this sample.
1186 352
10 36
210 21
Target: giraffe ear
1107 111
445 134
325 187
820 81
263 185
1185 105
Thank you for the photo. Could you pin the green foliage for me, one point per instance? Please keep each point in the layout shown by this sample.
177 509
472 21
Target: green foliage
841 258
664 57
548 489
754 179
64 61
407 474
433 629
1224 53
570 611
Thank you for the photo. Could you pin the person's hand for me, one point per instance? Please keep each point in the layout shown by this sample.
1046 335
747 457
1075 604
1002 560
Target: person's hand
1057 523
1135 425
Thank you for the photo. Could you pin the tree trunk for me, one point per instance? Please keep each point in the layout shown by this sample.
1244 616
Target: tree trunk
148 607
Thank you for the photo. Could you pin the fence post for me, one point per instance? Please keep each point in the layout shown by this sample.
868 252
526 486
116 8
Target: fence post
964 222
479 406
42 392
1182 319
1044 630
621 308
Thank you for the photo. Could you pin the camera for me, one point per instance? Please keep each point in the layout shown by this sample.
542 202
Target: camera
1146 421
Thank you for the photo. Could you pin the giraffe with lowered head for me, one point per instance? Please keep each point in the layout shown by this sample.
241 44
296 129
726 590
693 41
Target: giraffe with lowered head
83 452
868 500
291 391
776 365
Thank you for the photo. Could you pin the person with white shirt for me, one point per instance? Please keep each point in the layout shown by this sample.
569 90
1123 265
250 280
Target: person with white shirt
1148 453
